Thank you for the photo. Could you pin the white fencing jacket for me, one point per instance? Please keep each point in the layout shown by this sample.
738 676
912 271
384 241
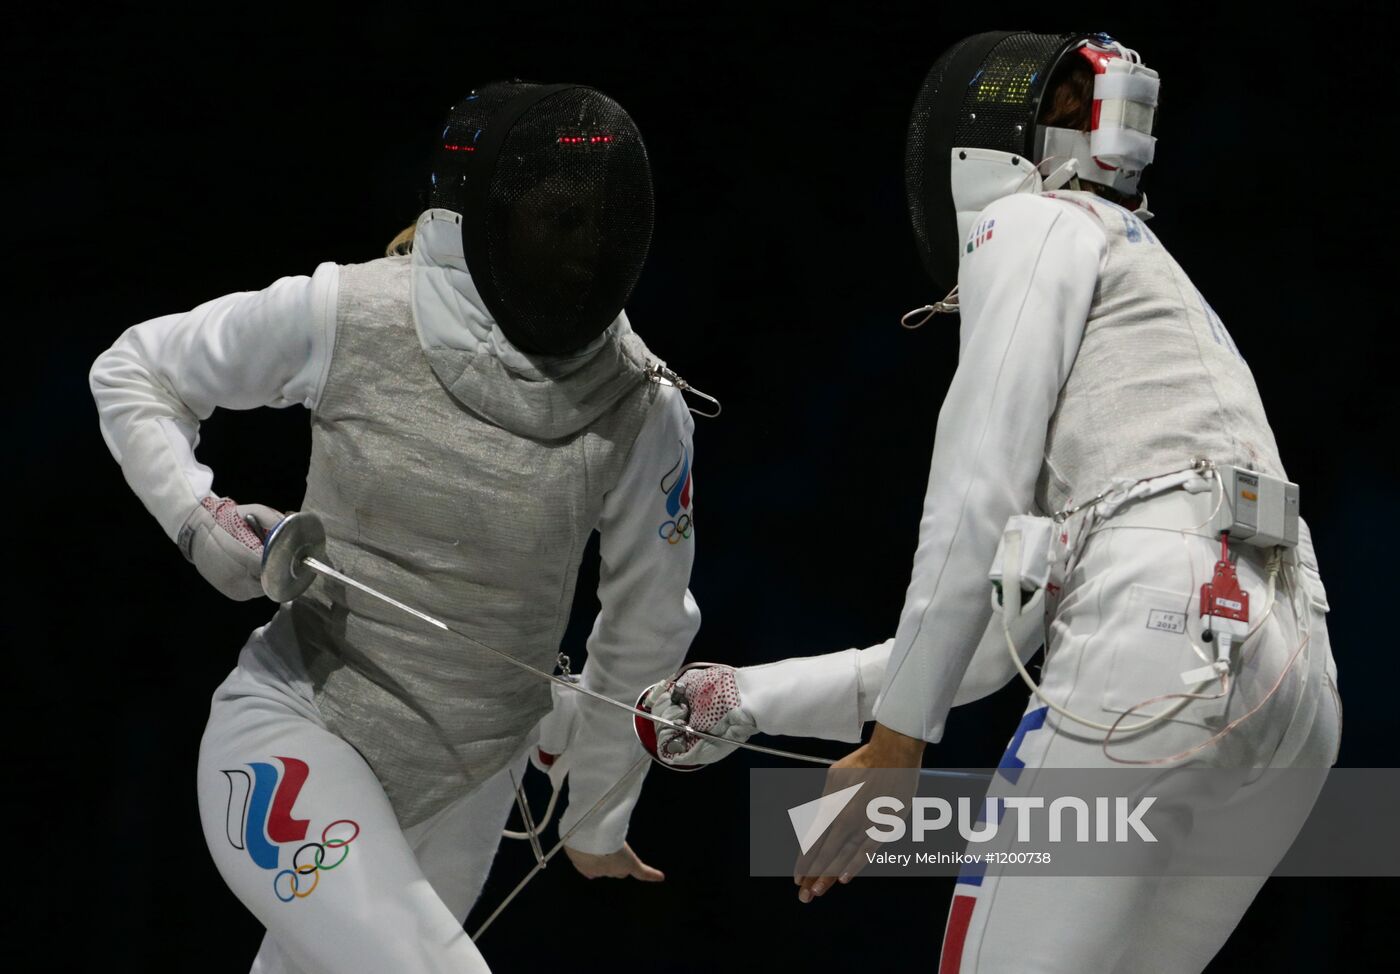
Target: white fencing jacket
273 348
1025 286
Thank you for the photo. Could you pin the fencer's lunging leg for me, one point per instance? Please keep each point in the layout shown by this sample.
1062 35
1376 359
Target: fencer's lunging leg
300 829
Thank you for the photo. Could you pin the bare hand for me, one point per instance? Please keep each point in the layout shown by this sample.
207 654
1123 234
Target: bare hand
614 865
840 853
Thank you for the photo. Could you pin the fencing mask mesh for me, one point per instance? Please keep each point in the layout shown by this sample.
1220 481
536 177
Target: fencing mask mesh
984 92
554 189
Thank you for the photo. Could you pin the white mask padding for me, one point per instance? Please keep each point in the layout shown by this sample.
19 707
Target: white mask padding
1127 97
1062 143
980 177
1126 81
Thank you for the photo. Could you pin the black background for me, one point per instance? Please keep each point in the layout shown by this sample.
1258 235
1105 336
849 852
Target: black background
167 156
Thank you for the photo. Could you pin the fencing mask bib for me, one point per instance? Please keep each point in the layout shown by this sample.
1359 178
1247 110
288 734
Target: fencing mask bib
973 135
554 189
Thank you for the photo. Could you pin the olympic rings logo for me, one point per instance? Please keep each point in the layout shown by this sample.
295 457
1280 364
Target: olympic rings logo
674 532
315 863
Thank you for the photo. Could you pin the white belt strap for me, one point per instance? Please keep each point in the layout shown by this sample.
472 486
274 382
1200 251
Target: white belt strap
1196 479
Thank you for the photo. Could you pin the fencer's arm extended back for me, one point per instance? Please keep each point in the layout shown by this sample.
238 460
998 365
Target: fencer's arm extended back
162 377
834 695
1026 288
830 696
988 671
647 617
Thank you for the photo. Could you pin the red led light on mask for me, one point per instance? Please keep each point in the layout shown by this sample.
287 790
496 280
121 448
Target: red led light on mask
584 139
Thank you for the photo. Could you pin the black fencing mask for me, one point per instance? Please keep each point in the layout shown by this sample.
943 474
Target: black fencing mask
554 189
974 135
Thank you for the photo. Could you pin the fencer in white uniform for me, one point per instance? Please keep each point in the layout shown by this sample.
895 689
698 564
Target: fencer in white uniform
1089 367
356 770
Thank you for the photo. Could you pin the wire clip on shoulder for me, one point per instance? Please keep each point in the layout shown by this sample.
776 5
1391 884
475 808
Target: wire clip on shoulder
658 373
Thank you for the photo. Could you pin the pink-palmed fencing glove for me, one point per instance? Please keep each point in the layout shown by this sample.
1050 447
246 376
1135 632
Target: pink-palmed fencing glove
225 548
704 696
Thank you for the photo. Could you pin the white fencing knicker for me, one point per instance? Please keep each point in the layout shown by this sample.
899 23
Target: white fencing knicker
1126 626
